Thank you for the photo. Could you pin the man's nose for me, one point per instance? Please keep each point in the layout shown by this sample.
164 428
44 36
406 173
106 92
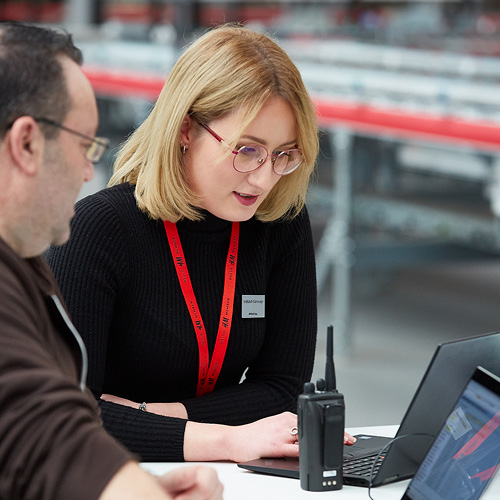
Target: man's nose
89 172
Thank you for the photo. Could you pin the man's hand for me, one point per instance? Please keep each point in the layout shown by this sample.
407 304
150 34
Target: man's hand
192 483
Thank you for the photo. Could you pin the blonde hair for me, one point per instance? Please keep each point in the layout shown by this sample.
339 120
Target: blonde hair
228 67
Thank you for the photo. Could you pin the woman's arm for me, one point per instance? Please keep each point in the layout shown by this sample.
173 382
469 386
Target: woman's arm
91 269
176 410
268 437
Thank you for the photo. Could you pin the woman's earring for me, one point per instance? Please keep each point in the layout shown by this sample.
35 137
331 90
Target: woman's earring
183 148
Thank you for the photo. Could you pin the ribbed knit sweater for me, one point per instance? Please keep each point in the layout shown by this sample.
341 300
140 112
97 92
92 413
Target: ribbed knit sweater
118 279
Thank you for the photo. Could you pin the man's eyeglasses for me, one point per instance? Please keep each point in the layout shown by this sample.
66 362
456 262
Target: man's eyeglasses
96 147
252 156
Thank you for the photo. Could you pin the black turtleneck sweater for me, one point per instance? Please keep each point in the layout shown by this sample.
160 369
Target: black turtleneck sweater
118 279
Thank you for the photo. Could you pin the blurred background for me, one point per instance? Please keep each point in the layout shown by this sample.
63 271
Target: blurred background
405 203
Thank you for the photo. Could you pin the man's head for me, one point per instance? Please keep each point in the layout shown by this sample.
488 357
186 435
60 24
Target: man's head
43 93
31 79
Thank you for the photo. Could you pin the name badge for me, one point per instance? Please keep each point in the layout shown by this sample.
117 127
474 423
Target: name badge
253 306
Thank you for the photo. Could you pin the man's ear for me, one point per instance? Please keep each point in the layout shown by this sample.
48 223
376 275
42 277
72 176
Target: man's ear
186 127
26 144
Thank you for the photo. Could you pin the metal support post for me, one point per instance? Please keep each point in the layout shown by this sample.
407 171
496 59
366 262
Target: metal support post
336 247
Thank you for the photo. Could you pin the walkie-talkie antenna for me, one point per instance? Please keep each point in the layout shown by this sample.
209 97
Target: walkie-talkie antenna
330 379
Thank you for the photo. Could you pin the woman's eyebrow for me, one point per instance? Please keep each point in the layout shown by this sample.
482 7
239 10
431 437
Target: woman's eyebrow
262 141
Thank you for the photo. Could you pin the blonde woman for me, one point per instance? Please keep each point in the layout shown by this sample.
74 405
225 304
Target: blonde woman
191 277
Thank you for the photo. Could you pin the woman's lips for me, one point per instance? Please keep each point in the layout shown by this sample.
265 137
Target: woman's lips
245 199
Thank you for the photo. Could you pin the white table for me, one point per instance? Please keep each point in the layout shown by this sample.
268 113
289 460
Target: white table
240 484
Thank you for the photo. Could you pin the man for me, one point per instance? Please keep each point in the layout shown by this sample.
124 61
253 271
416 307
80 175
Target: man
52 444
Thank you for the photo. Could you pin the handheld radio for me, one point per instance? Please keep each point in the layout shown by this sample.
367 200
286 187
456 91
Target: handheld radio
321 416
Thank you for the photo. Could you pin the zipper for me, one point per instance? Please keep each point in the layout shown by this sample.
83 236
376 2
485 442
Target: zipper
78 338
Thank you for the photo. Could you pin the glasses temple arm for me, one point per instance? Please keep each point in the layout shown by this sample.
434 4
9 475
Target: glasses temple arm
218 137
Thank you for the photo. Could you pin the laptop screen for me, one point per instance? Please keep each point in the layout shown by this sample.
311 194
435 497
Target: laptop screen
466 452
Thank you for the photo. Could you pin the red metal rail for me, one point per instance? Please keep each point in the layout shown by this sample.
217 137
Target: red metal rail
359 117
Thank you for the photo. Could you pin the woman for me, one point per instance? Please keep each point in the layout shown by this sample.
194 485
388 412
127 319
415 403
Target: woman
202 240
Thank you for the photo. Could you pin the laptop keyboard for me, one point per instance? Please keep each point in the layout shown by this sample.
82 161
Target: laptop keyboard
362 466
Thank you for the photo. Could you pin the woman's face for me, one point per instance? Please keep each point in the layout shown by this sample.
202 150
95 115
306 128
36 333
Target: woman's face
224 192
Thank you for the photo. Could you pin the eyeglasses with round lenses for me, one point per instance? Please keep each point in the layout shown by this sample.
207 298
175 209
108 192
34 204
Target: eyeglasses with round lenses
96 146
252 156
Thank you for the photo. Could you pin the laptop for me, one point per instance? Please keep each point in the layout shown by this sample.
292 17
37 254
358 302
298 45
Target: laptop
451 367
466 453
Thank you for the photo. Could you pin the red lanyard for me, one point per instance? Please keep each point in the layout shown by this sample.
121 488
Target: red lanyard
207 374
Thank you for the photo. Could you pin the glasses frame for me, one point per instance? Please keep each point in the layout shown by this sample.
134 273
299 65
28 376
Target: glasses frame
101 142
273 156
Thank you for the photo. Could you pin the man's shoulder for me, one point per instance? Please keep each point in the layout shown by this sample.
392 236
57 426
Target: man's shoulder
22 281
11 264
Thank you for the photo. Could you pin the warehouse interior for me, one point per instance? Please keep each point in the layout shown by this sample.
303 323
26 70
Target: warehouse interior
405 203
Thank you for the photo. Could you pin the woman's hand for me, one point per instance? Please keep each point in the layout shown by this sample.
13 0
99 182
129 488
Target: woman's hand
274 436
269 437
177 410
